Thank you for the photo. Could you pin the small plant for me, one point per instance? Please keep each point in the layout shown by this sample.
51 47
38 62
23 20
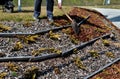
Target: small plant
31 38
57 51
67 31
106 42
12 66
30 73
57 70
2 75
37 52
99 78
56 24
14 74
100 30
54 36
28 39
94 53
27 24
110 54
4 28
79 63
75 51
74 40
17 46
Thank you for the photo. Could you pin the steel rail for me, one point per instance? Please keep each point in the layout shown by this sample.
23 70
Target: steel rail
43 72
14 34
38 32
49 56
66 53
109 64
52 29
28 58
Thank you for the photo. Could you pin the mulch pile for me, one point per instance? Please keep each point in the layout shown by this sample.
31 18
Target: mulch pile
95 26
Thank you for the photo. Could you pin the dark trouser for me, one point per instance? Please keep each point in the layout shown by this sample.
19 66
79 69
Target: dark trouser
37 8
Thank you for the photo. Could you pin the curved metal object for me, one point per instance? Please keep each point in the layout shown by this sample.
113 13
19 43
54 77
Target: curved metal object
74 26
70 51
49 56
14 34
29 58
38 32
94 73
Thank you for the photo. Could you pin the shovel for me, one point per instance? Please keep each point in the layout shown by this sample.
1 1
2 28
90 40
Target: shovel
74 24
77 25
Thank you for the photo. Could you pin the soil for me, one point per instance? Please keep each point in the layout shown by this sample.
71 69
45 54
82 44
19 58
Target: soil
57 42
112 72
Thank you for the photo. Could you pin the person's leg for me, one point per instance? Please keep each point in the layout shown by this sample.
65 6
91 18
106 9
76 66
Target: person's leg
50 4
37 8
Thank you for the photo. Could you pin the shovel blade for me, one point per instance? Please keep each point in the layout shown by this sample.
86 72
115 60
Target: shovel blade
75 27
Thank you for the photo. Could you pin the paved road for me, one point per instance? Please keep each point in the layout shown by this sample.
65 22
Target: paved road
112 14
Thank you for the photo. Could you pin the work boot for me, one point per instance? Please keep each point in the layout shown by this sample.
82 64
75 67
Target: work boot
36 18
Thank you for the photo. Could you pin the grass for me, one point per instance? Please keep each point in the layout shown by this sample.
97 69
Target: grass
27 12
26 3
16 16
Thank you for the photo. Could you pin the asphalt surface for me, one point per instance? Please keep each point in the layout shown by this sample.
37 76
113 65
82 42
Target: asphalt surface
112 14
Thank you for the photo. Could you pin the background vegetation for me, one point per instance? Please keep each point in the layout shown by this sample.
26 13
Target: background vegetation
71 2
